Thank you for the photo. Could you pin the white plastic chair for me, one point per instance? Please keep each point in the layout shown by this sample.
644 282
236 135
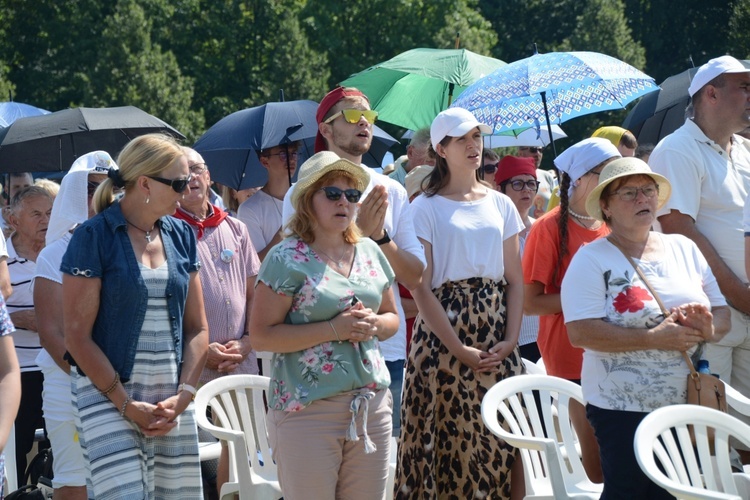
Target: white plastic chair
533 368
692 472
10 462
229 398
265 359
551 471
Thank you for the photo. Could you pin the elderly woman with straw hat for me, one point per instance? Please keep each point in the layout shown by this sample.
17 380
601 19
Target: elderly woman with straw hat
322 304
633 361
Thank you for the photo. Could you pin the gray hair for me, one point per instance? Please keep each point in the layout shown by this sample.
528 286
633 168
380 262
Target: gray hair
421 139
25 194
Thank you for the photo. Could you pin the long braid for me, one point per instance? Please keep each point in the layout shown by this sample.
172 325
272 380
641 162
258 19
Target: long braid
562 225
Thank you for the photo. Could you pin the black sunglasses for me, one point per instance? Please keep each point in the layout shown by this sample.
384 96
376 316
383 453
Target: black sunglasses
91 187
490 169
334 194
179 185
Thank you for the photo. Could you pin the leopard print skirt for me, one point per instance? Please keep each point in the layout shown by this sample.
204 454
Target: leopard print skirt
445 451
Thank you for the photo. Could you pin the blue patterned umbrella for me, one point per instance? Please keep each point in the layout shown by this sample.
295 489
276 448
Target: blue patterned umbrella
553 87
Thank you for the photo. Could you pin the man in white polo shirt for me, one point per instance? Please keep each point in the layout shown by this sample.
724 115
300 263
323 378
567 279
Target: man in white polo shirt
708 165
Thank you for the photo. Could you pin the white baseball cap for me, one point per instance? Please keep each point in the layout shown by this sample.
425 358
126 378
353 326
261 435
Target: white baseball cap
712 69
454 122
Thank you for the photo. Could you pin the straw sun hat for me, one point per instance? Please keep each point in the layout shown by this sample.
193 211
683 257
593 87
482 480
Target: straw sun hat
320 164
617 169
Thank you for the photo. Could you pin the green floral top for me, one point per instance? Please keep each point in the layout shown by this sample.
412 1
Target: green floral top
319 293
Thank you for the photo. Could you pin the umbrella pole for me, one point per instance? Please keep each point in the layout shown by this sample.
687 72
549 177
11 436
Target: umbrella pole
549 126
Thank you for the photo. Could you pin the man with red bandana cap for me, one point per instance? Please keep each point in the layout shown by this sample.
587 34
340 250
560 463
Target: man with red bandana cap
345 127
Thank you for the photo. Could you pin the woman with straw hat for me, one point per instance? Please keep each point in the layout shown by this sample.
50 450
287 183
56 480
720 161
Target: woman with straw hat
633 361
322 304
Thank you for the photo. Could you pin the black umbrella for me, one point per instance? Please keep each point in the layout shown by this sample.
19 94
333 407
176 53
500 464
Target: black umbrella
230 146
53 142
662 112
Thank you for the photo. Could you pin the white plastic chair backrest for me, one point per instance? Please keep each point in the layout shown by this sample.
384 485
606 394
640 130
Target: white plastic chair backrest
737 401
10 461
540 445
265 359
690 472
229 398
533 368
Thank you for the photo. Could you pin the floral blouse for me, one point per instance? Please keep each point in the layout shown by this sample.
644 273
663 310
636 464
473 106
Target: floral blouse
601 284
319 293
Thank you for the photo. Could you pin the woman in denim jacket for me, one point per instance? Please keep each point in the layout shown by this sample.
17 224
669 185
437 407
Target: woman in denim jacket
135 329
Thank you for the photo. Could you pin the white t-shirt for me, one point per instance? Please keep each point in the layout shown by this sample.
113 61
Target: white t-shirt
261 213
601 284
48 267
709 186
22 273
400 227
466 236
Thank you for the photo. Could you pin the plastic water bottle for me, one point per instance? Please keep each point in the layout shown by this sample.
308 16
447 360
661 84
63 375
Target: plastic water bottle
703 366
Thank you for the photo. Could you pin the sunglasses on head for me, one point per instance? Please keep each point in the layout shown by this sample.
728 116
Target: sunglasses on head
533 149
334 194
178 185
354 115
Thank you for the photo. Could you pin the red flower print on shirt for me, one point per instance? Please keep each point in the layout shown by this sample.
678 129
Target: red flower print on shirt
631 299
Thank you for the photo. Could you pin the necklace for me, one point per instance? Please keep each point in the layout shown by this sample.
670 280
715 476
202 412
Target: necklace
579 216
148 233
340 261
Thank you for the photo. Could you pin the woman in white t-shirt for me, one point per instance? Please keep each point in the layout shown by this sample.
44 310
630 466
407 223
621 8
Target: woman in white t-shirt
632 362
464 341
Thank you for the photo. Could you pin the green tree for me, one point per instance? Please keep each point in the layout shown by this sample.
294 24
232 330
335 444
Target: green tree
132 70
739 30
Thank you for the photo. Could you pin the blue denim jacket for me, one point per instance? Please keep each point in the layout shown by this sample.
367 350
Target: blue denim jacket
100 248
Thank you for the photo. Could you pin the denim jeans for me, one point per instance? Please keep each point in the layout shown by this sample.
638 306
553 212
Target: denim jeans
396 369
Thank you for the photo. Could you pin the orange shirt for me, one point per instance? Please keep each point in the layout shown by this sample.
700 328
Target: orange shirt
540 255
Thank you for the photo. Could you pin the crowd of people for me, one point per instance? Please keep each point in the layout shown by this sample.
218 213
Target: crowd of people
391 303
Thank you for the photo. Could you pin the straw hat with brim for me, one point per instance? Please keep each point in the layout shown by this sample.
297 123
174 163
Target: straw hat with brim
320 164
617 169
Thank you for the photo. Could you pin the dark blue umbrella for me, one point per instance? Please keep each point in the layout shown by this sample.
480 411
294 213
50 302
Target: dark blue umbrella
230 146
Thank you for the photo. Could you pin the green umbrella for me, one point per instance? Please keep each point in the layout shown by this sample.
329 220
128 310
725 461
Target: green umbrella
413 87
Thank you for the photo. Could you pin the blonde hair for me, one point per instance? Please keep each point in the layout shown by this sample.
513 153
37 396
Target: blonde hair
147 155
304 222
50 186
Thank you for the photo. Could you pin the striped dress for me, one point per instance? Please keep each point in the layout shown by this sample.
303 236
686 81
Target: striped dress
123 463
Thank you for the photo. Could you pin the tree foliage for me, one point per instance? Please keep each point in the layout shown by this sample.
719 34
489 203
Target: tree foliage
191 62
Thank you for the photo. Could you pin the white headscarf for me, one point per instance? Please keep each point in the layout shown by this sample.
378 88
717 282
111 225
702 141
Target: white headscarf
71 206
583 156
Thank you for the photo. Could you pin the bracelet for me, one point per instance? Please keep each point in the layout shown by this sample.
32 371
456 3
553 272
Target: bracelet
124 405
113 385
334 331
187 387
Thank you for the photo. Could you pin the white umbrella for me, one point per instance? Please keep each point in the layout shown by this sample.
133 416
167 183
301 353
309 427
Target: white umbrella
529 137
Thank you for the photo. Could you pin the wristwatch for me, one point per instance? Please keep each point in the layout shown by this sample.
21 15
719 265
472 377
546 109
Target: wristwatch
382 241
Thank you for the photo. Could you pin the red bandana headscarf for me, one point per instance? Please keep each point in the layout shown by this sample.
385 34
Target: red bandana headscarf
325 106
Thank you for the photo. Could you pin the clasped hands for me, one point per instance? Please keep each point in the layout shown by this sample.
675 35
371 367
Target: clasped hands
486 361
356 324
685 327
159 419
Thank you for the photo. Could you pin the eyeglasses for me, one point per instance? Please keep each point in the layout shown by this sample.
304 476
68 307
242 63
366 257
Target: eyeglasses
179 185
334 194
354 115
519 185
489 169
531 149
631 193
198 168
91 187
283 155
